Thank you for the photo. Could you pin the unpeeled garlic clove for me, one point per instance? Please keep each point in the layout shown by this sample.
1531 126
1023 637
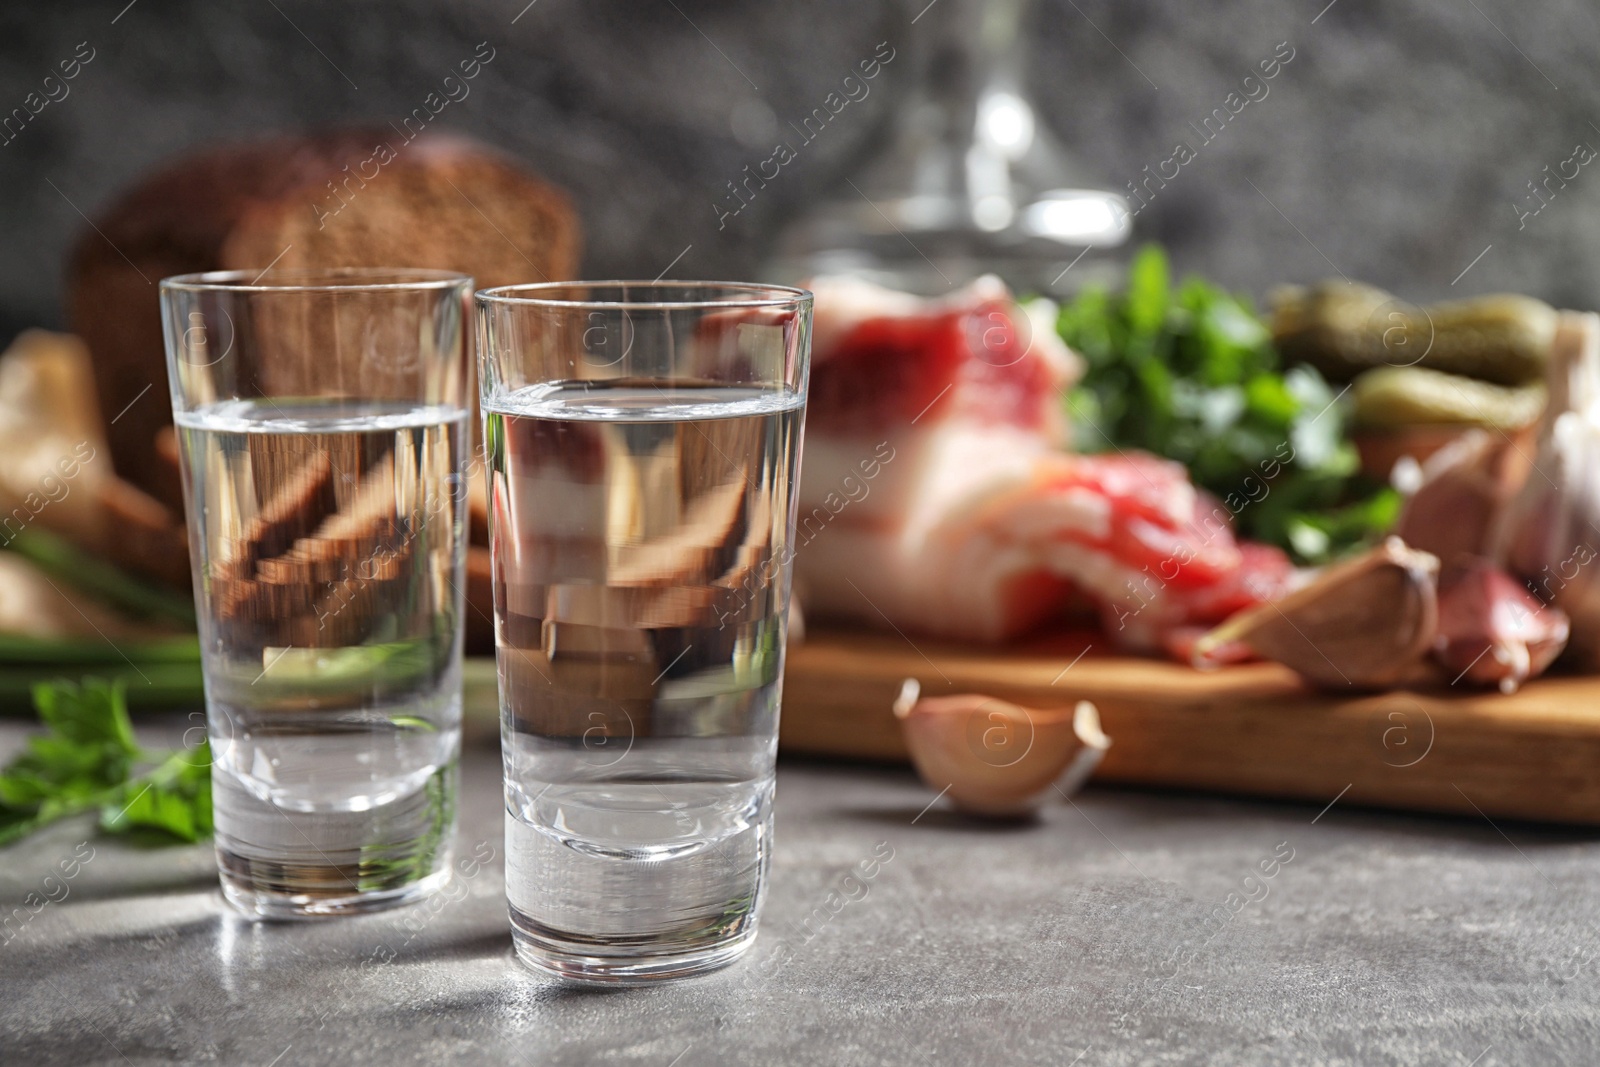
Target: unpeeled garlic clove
1492 631
1464 486
993 757
1359 623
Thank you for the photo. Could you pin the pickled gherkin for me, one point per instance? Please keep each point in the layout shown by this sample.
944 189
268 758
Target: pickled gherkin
1345 328
1394 397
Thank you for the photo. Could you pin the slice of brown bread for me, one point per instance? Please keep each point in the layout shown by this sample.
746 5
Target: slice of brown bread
329 200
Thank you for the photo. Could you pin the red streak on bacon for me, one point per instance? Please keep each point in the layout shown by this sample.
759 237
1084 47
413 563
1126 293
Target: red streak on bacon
1159 524
975 525
976 361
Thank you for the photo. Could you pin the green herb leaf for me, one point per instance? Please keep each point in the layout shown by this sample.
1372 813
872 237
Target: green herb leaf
85 762
93 713
1146 301
1190 373
175 798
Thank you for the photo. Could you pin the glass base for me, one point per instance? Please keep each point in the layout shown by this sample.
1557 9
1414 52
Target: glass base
255 902
626 964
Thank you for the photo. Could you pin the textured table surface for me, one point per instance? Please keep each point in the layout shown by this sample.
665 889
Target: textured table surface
1126 928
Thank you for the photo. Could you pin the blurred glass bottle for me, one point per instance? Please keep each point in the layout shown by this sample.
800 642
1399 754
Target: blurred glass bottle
969 181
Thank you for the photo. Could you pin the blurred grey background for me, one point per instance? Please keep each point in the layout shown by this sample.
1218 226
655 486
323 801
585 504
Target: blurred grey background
1397 146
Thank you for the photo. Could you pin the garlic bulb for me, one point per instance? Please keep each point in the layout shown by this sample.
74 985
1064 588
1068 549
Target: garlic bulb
1549 535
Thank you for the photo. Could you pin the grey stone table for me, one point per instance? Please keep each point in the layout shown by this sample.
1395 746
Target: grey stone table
1126 928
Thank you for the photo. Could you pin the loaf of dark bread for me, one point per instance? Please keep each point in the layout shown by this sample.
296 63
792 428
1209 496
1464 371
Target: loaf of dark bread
344 199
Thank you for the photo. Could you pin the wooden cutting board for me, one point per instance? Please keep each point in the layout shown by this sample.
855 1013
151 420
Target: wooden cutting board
1247 729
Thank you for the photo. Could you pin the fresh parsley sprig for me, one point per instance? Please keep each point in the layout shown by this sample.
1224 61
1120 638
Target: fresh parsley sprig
88 760
1188 371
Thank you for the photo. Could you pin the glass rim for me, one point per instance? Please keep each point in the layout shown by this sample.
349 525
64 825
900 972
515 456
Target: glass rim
317 279
751 295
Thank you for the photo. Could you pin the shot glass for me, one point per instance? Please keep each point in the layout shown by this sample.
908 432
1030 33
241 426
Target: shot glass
322 430
643 446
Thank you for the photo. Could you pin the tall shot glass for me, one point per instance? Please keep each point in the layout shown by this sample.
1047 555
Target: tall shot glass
643 445
322 420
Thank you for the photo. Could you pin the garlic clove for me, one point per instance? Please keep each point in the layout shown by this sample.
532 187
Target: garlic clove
1359 623
993 757
1492 631
1464 487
